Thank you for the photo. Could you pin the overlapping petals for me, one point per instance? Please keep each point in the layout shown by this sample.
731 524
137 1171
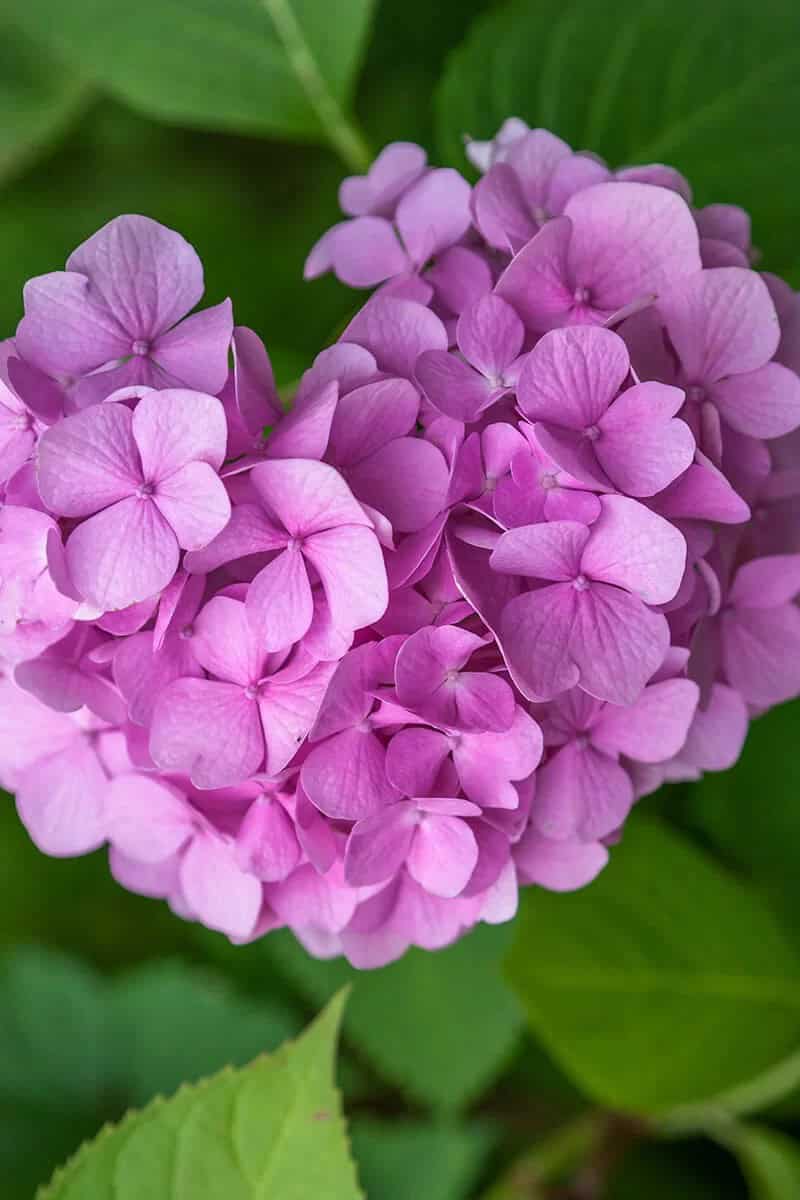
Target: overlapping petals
525 546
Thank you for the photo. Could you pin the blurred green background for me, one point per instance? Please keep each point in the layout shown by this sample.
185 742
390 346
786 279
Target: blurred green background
663 1004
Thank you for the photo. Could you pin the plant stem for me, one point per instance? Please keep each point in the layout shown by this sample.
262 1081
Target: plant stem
343 134
567 1147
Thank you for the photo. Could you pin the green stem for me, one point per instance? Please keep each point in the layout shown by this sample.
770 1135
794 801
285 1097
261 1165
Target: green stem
343 134
752 1096
555 1155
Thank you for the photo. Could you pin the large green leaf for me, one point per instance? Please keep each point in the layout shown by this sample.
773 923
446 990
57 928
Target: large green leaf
280 67
76 1049
438 1026
272 1129
751 813
712 89
413 1160
666 982
39 98
770 1161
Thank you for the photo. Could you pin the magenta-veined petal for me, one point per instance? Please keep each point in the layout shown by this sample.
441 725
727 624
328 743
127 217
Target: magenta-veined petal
350 564
195 504
378 845
196 351
217 890
123 554
176 427
279 602
443 854
207 730
88 461
634 548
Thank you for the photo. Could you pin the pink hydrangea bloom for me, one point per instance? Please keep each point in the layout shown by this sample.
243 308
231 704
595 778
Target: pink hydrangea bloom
525 547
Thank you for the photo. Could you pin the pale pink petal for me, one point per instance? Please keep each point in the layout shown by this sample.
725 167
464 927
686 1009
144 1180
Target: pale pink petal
434 214
194 502
146 819
306 496
146 274
559 866
452 386
345 776
217 891
396 331
487 761
279 601
370 416
414 758
535 633
88 461
616 642
572 375
224 642
30 731
763 403
574 453
365 252
535 283
123 554
718 731
350 564
266 844
766 582
196 351
704 493
142 673
397 166
761 653
308 899
406 480
443 855
654 727
551 550
581 793
304 431
572 174
67 329
176 427
501 212
721 322
490 336
378 845
61 801
629 241
660 176
642 445
254 383
288 711
635 548
249 531
209 731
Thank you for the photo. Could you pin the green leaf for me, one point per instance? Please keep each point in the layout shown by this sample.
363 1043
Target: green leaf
278 67
439 1026
39 98
712 89
641 984
412 1160
751 813
76 1049
272 1129
770 1160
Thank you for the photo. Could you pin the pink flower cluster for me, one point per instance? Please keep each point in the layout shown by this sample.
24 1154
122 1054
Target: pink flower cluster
526 545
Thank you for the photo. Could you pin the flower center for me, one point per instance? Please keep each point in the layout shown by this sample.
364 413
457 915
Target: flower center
140 348
695 393
591 433
580 583
144 491
548 481
581 295
251 691
186 633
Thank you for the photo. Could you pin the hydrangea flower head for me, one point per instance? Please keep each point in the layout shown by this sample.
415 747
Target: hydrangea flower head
524 547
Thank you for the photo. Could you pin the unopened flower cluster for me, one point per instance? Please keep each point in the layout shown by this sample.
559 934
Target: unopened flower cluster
525 545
